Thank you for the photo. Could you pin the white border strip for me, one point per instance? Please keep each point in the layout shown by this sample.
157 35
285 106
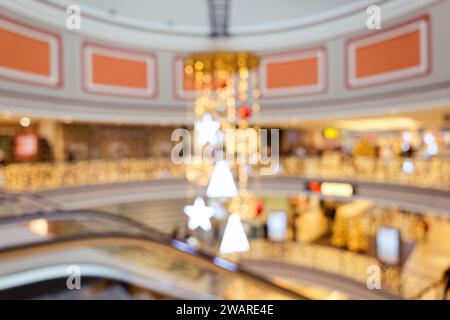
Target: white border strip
88 83
354 82
24 76
299 90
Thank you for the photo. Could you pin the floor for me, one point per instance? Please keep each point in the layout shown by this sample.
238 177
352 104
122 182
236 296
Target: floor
432 256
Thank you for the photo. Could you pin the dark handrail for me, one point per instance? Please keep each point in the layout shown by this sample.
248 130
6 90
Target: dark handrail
35 202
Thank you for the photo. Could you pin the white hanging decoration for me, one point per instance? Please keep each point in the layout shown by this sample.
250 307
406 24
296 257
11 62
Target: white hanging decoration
199 215
207 130
234 237
221 183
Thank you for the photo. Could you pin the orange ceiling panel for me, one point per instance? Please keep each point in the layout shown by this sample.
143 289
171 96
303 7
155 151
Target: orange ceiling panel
390 55
399 53
119 72
23 53
188 82
296 73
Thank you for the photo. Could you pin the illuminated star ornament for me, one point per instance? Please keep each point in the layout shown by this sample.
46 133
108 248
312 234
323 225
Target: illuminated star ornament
199 215
207 129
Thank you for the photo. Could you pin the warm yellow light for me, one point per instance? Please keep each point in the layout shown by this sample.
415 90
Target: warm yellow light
378 124
199 77
243 73
198 65
39 227
25 122
243 86
336 189
331 133
188 69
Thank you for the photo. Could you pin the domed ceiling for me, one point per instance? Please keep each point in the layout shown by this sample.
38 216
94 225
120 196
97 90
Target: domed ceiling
311 43
249 25
241 17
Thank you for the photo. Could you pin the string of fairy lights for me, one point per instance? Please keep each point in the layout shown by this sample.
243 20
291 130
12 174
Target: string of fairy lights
23 177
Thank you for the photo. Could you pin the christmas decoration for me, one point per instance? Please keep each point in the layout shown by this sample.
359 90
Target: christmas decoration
199 215
221 184
245 112
207 129
234 237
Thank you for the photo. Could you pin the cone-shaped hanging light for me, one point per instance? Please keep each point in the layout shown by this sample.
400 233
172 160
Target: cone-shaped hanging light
234 237
221 183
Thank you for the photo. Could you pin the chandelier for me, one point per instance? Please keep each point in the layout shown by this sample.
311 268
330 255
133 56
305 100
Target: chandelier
226 85
226 99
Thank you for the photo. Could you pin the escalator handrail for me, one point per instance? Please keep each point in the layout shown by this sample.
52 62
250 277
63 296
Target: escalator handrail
77 214
36 201
145 234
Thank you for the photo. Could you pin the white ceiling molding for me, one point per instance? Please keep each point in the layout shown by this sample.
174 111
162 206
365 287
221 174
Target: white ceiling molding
87 111
433 96
417 98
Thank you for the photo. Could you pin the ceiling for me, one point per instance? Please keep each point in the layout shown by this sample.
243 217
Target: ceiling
168 13
169 28
244 16
244 25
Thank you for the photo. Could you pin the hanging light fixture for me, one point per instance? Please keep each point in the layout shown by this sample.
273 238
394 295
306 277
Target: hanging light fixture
207 129
226 87
199 215
221 183
234 238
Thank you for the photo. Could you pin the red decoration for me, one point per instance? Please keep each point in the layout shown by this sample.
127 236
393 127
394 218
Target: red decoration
314 187
245 112
26 146
259 209
222 85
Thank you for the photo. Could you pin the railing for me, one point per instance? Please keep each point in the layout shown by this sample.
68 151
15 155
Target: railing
344 263
41 176
434 173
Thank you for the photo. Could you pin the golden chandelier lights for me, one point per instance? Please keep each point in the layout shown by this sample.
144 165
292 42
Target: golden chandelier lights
226 84
226 91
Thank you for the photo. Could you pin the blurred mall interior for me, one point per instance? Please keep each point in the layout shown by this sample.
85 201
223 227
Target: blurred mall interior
219 149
